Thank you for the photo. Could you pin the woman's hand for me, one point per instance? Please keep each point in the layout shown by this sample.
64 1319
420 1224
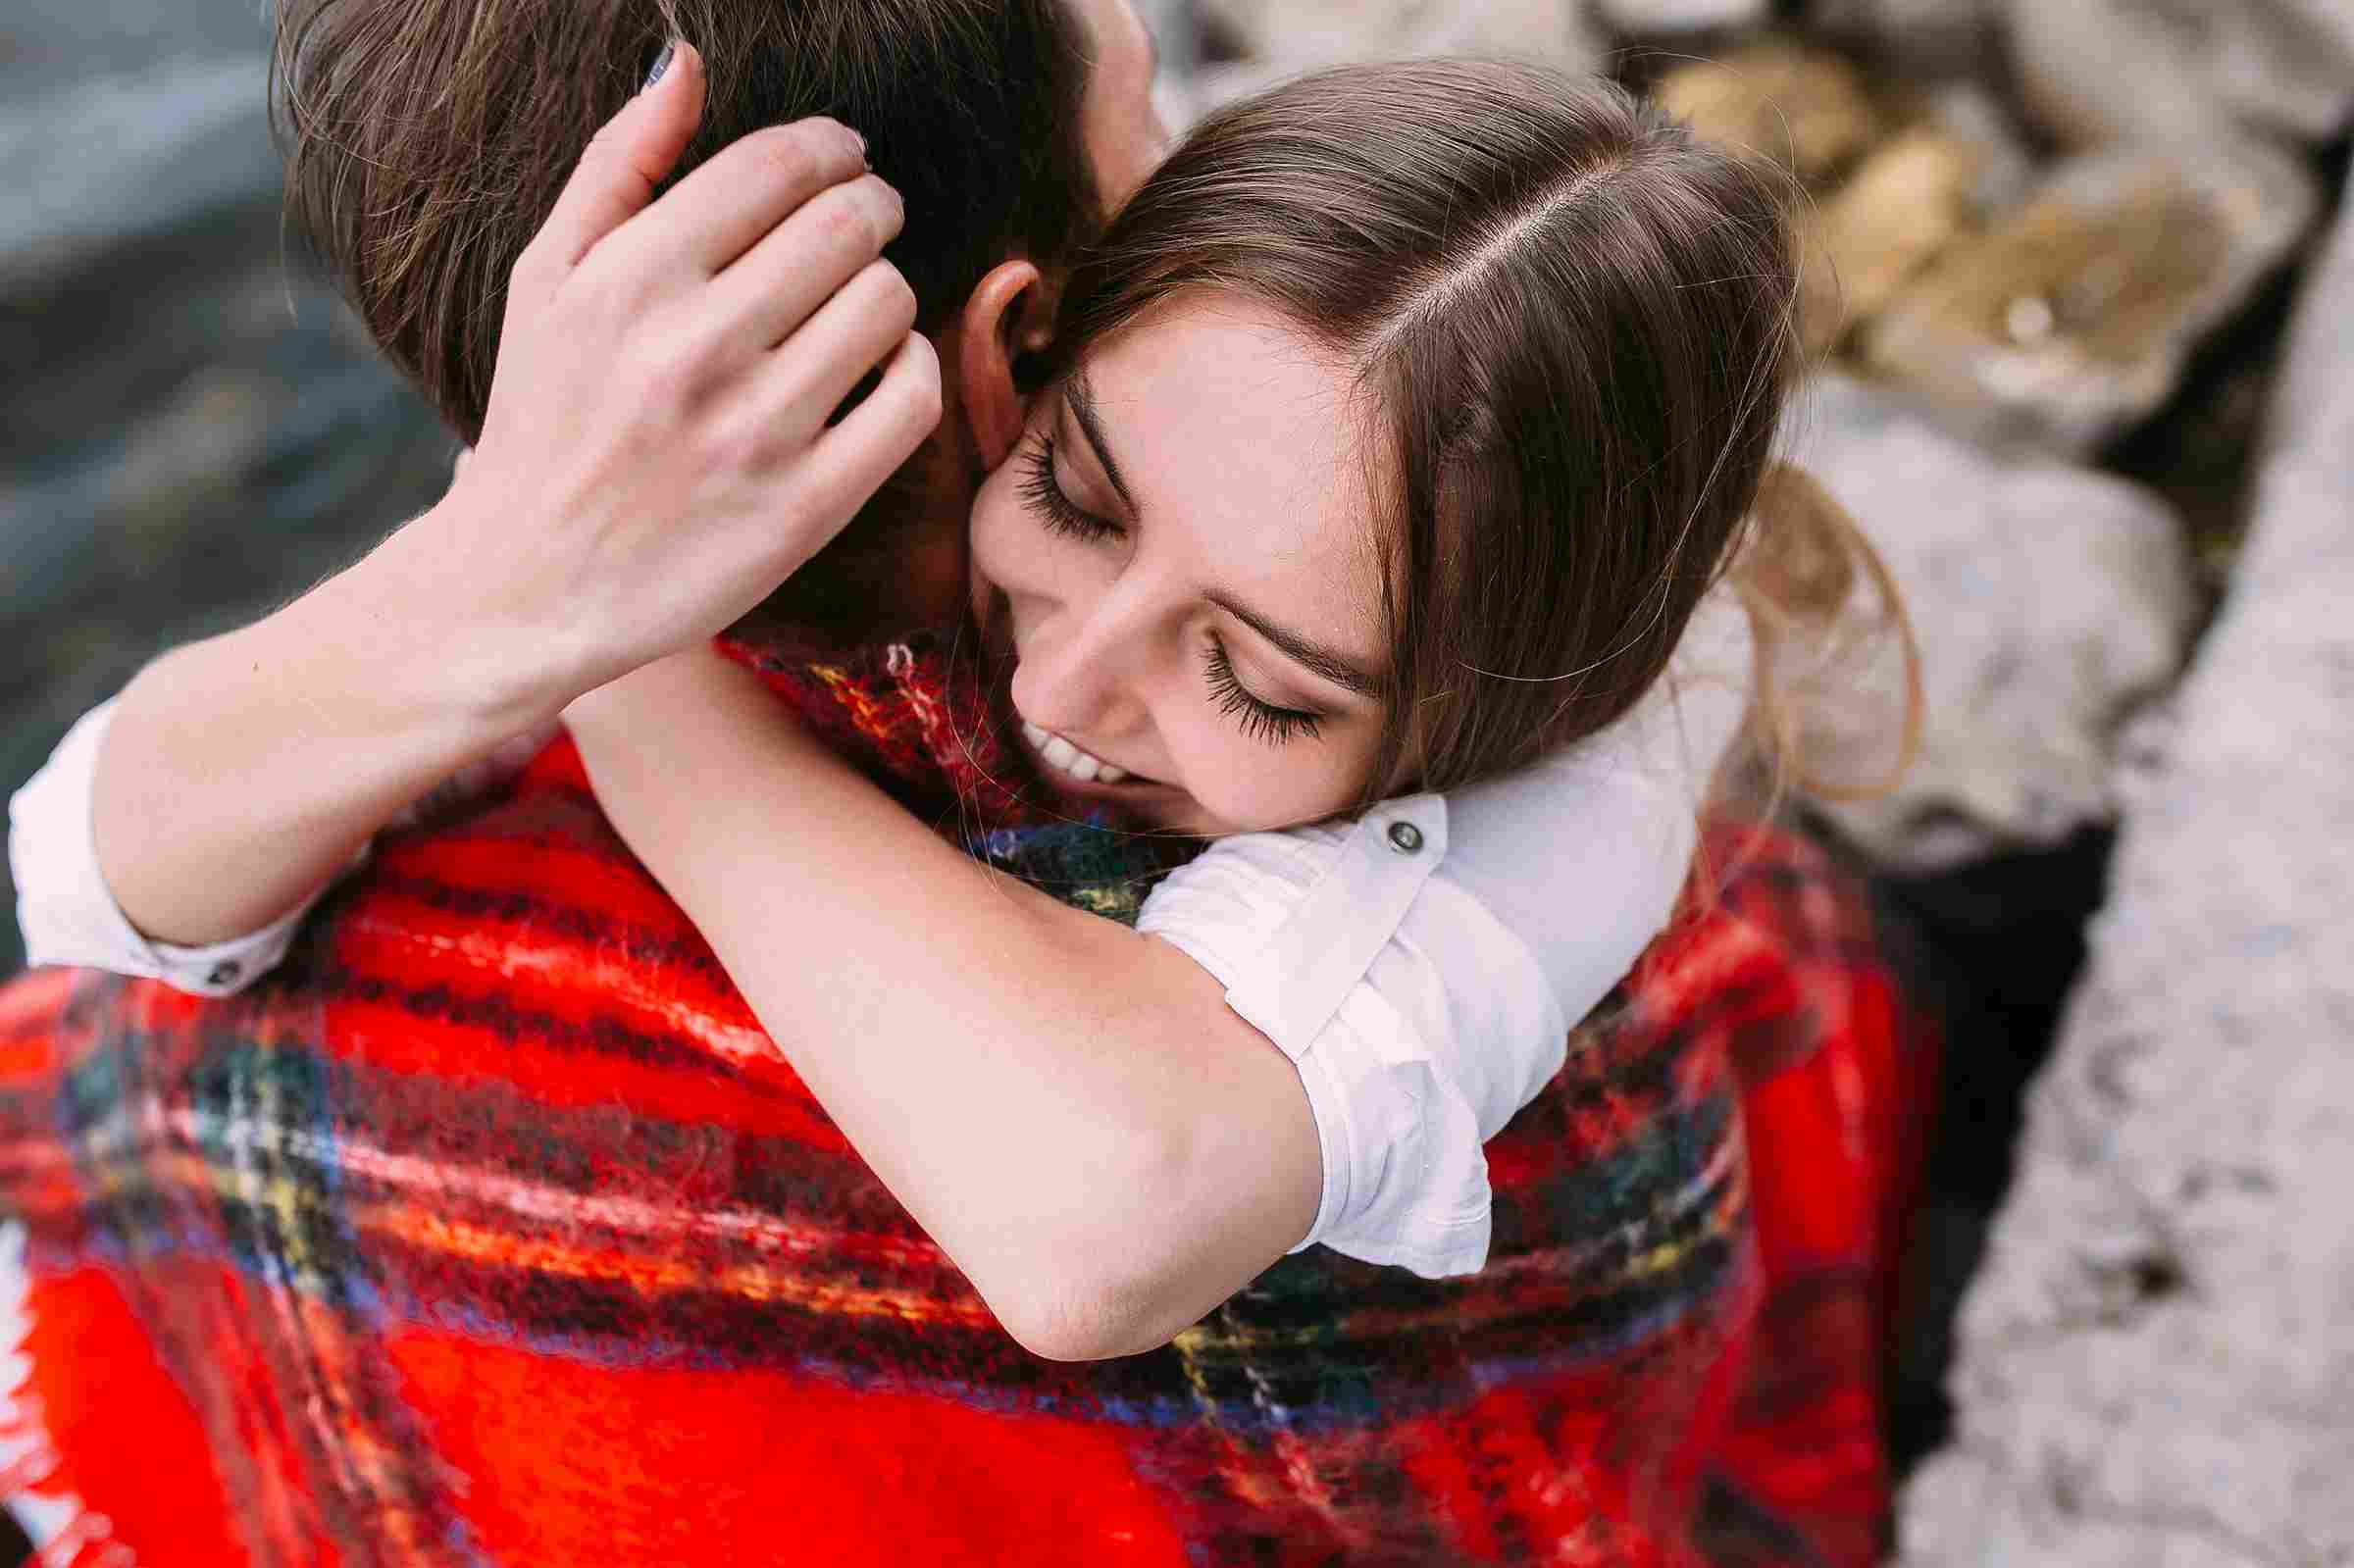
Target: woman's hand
654 462
656 457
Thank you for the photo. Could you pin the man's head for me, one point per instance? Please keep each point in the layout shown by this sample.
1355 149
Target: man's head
427 140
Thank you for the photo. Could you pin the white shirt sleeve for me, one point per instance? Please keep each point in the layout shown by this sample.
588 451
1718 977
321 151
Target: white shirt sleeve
69 914
1423 966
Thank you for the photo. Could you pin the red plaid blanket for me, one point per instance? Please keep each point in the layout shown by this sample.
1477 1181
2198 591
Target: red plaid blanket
494 1231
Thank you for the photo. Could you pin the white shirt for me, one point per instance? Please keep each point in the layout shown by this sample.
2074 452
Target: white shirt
1421 967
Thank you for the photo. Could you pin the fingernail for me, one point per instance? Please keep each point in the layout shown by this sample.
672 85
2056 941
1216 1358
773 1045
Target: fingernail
663 61
861 138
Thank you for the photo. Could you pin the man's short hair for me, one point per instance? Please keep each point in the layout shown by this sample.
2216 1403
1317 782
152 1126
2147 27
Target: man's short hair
427 140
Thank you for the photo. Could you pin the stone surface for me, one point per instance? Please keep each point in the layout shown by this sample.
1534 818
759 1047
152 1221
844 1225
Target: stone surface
1925 37
1910 199
1279 38
48 45
2049 603
1646 17
2072 318
1176 28
2155 1363
116 159
1973 116
1804 109
2101 71
1312 33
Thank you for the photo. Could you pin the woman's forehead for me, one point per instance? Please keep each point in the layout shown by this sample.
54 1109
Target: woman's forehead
1239 434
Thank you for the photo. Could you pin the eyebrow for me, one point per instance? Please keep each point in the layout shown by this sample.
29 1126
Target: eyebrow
1080 397
1324 662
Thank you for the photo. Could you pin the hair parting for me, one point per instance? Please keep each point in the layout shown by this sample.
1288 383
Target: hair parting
1573 327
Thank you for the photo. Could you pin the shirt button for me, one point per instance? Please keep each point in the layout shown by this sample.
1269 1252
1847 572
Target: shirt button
1406 838
225 972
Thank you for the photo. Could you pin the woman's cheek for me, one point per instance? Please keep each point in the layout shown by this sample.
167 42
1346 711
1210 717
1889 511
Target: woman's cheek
987 527
1222 777
1251 787
995 556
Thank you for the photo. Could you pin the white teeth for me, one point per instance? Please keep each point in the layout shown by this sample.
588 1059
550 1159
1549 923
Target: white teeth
1069 759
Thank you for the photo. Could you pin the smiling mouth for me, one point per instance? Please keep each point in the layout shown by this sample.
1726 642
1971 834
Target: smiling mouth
1067 761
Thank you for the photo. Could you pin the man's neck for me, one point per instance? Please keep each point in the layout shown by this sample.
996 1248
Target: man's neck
900 564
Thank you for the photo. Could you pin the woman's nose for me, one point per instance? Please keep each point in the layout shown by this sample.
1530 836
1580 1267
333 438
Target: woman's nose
1077 676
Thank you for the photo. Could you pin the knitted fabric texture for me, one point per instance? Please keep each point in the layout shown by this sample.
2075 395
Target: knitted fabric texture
492 1230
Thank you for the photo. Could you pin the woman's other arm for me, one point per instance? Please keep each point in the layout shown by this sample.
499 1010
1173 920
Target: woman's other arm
650 466
1069 1110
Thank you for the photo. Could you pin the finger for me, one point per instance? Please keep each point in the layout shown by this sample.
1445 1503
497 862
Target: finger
863 324
786 279
849 462
626 161
747 188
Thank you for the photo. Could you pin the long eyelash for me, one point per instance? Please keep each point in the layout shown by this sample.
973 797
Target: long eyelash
1056 510
1261 720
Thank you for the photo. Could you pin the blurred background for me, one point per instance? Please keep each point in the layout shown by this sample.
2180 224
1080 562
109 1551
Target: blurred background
2055 249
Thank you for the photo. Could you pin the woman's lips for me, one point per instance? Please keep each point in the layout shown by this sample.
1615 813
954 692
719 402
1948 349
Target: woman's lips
1068 762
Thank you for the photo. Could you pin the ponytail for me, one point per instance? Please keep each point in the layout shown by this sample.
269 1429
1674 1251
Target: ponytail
1797 575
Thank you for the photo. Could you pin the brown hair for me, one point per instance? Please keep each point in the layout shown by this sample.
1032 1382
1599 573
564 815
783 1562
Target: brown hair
1573 329
426 140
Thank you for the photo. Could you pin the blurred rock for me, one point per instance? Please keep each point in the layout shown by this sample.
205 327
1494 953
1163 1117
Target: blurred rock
1923 37
1971 115
241 471
2049 602
1910 200
1644 16
118 159
46 45
2102 70
1176 28
2072 319
2154 1364
1280 38
1312 33
1804 109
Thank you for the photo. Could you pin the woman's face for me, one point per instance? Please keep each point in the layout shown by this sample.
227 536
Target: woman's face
1180 558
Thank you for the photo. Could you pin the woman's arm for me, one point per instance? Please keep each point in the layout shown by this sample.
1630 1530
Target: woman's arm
1422 999
1003 1062
241 774
649 468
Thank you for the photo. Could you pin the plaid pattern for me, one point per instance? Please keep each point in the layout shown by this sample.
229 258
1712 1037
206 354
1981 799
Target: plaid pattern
492 1230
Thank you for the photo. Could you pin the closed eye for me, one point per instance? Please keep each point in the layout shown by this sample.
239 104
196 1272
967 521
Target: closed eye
1048 499
1260 719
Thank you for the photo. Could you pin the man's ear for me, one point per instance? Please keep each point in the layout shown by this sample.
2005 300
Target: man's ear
1008 319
